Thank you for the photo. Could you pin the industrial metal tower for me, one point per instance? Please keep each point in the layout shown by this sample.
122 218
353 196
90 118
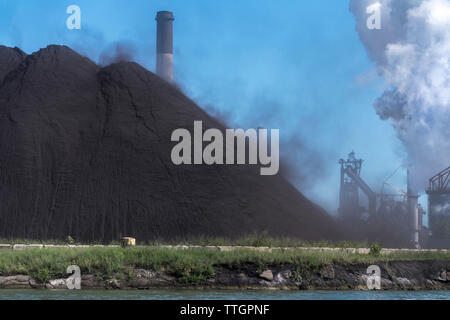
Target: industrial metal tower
439 209
351 182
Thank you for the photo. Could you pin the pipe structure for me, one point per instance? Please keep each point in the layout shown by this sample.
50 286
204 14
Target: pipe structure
413 205
366 189
413 208
164 45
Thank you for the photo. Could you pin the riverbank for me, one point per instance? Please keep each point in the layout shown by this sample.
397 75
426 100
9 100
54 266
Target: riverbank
202 268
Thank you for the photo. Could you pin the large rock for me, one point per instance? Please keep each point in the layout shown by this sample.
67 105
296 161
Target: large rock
267 275
327 272
15 282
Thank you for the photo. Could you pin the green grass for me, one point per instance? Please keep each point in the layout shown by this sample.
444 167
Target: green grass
191 265
254 240
260 240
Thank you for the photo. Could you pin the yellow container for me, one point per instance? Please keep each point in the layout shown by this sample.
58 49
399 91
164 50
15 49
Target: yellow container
127 242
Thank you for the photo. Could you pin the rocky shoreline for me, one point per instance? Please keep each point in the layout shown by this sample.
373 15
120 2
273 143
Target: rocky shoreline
395 275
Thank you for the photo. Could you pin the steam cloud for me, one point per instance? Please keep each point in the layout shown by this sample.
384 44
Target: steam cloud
412 53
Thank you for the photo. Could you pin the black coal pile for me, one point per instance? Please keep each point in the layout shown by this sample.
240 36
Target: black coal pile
85 151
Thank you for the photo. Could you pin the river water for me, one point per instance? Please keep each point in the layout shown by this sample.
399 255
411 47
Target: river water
219 295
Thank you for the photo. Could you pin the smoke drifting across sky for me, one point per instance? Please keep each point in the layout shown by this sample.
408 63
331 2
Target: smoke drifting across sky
412 54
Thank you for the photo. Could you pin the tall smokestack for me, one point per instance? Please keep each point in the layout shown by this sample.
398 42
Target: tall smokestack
164 45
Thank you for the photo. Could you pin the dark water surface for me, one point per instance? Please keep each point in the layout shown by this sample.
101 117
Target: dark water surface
217 294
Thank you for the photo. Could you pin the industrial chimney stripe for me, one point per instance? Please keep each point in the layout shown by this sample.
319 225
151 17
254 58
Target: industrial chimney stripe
164 45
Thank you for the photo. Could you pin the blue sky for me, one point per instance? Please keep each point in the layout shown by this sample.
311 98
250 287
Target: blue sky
298 66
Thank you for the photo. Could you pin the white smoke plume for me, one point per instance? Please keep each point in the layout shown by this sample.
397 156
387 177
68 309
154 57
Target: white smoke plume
412 53
441 209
